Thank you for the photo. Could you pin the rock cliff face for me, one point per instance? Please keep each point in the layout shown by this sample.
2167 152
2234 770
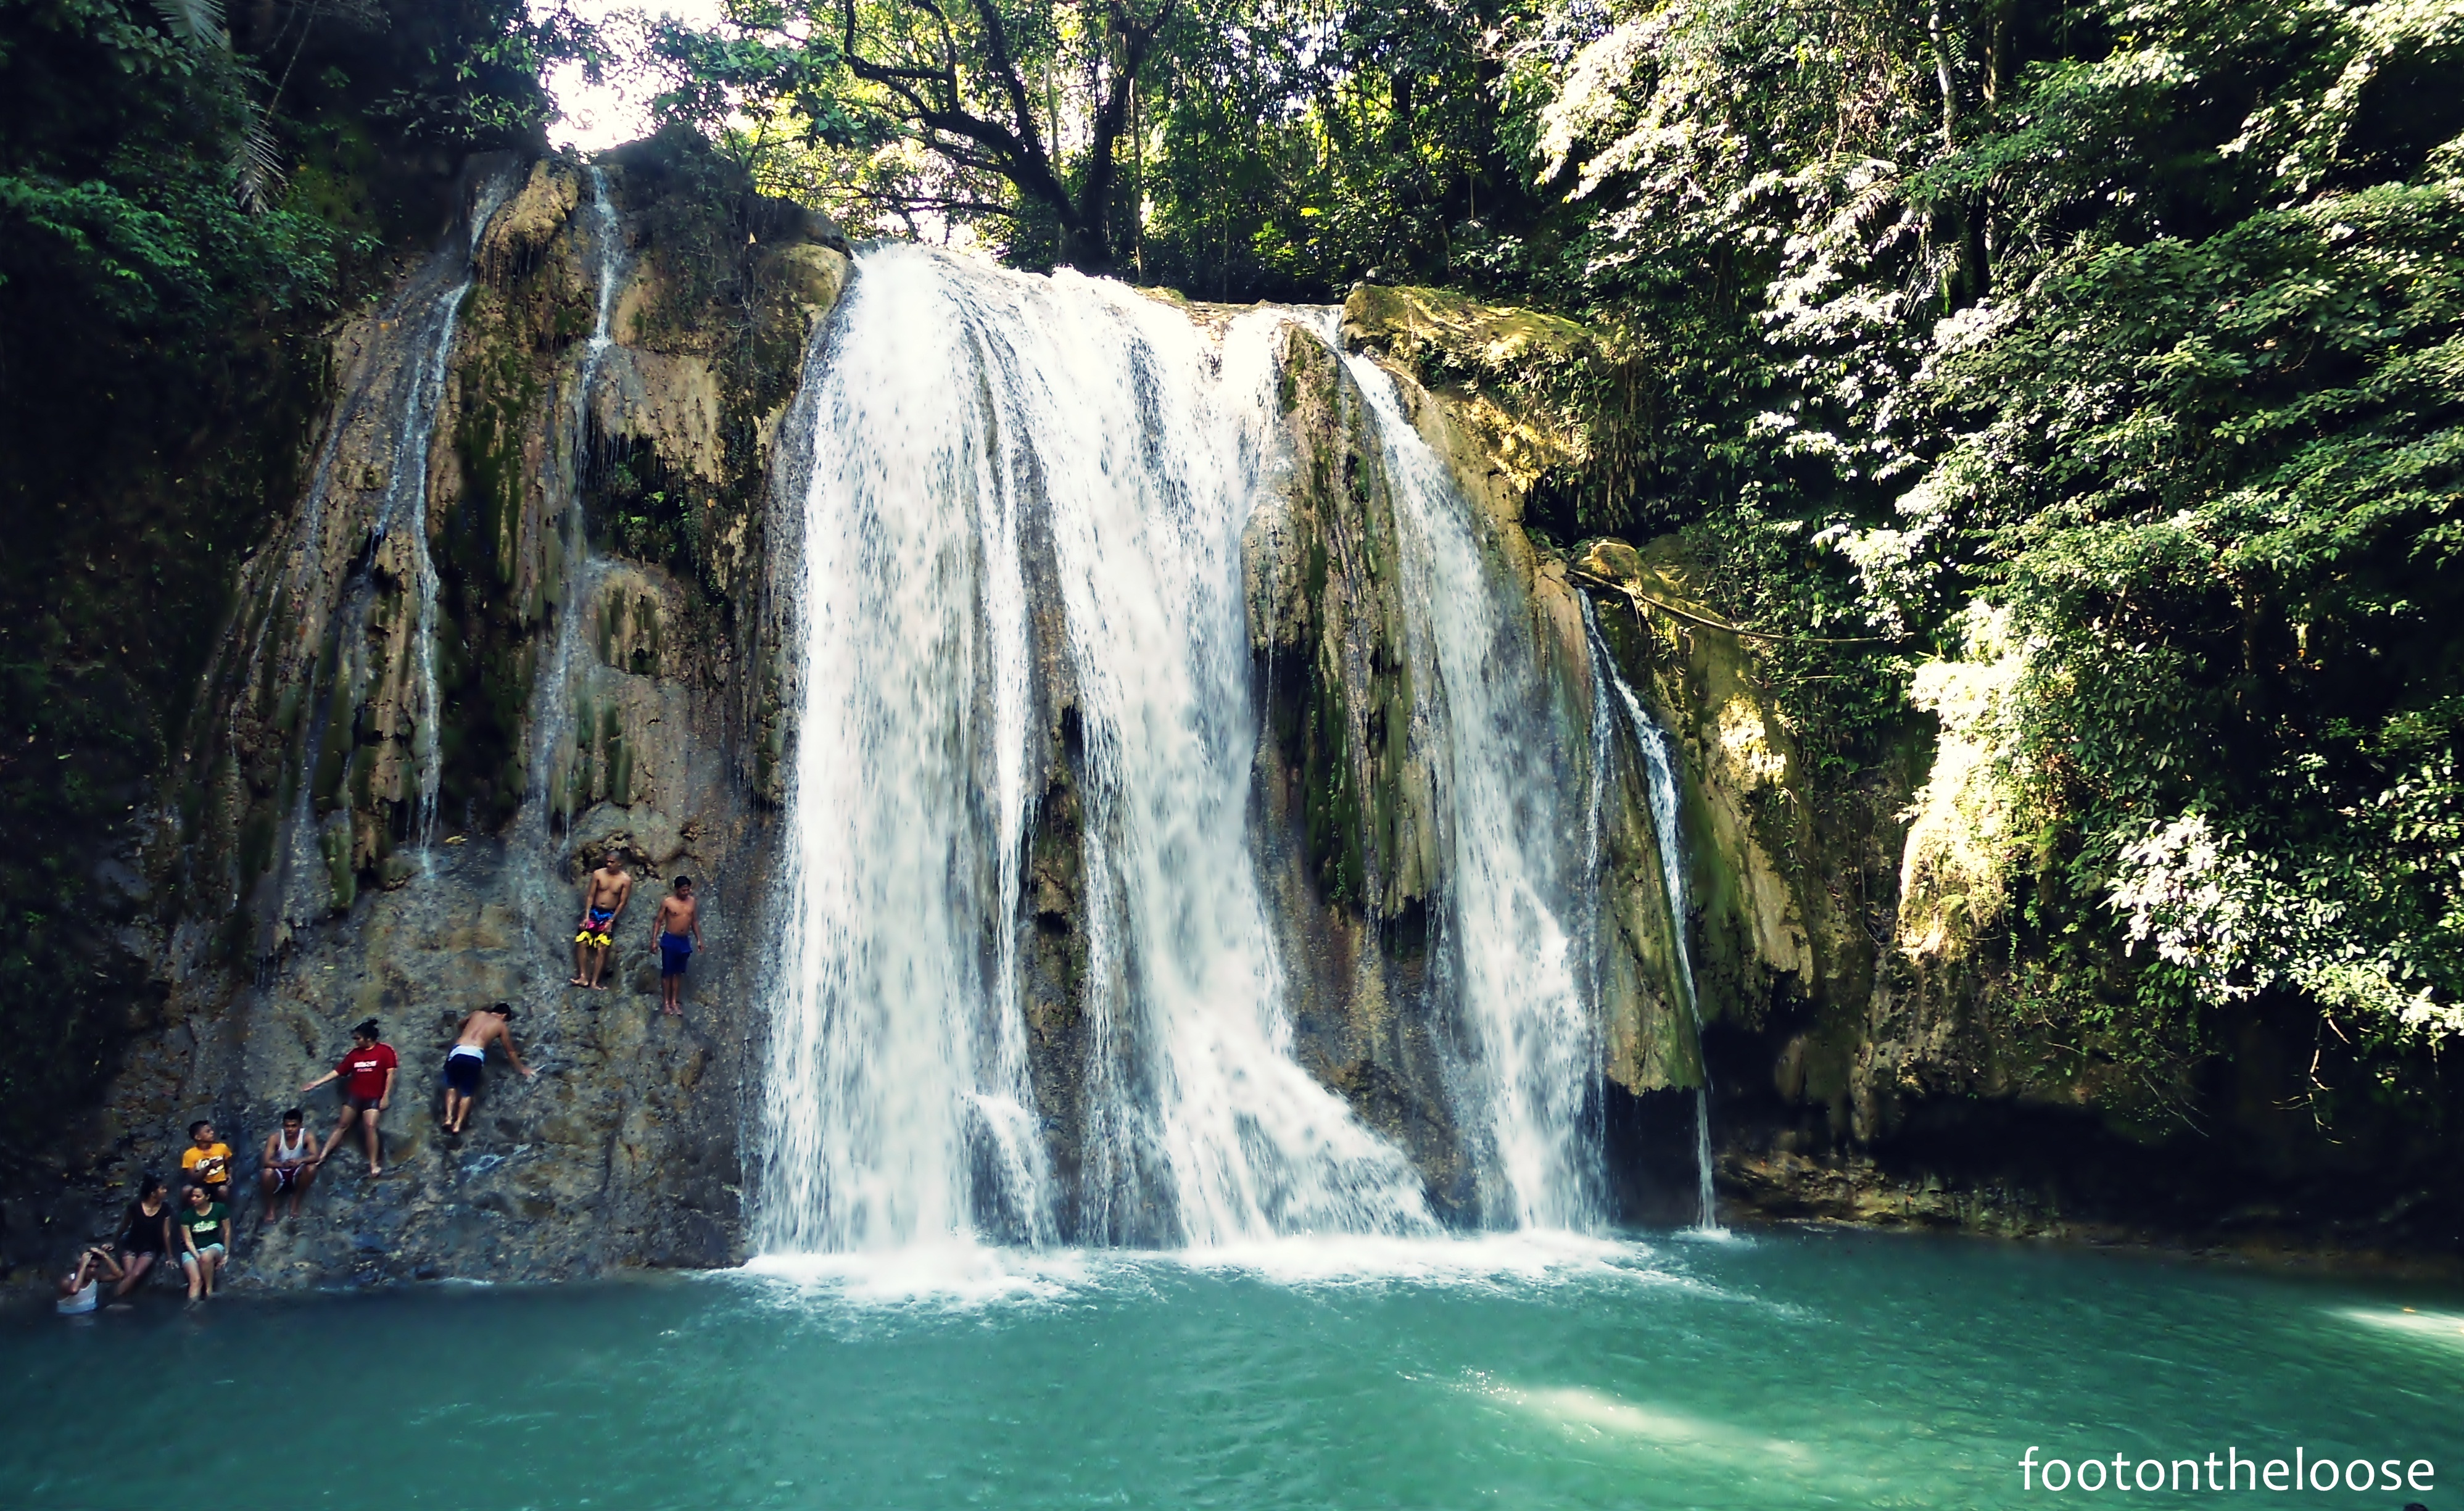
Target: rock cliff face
515 622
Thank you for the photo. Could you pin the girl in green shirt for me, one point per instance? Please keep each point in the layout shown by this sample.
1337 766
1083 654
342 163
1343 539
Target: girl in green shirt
205 1239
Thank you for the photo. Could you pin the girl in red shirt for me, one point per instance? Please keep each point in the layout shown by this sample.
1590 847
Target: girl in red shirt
366 1074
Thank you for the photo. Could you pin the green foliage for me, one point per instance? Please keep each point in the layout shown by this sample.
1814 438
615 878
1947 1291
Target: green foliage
161 284
2141 322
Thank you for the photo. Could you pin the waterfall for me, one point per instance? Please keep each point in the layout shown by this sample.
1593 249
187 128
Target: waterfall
1660 765
1531 1043
427 310
548 797
408 507
965 432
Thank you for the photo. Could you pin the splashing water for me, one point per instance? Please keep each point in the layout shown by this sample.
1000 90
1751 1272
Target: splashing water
963 432
1660 764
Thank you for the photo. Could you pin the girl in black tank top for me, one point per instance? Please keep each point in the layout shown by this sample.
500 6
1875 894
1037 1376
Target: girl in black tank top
147 1233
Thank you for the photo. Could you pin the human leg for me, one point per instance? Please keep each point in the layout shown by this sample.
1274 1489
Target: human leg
268 1183
133 1268
375 1141
299 1181
191 1266
341 1127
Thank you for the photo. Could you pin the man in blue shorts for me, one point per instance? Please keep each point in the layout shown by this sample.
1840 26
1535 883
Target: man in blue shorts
677 930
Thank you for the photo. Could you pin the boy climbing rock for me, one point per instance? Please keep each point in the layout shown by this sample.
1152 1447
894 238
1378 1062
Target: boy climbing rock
605 892
677 932
488 1025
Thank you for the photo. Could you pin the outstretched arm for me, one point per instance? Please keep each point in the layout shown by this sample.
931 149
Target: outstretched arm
321 1081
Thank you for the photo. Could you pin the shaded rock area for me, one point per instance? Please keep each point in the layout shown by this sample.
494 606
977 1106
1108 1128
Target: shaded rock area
514 622
1344 814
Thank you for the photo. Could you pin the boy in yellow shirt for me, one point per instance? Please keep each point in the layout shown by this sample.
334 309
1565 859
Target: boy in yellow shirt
208 1161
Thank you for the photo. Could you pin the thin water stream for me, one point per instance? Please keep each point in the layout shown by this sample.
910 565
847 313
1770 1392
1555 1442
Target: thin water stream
1660 762
405 401
550 797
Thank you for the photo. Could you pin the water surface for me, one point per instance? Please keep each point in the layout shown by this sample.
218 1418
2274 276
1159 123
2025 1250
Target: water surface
1778 1371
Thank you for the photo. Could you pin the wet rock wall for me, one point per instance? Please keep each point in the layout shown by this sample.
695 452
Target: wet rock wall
486 644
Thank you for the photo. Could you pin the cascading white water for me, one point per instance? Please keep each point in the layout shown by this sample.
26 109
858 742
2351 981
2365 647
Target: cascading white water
1660 765
1523 1002
968 429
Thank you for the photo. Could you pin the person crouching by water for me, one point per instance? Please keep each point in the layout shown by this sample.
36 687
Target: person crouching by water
81 1288
207 1161
205 1241
605 892
145 1237
677 932
290 1164
366 1074
489 1025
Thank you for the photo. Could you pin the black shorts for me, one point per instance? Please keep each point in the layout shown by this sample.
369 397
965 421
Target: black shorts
362 1103
462 1073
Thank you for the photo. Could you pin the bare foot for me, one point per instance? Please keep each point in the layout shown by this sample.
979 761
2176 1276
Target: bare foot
673 1012
599 986
577 981
374 1171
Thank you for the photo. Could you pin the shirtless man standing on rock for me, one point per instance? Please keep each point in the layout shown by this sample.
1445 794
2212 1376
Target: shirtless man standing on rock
605 892
463 1063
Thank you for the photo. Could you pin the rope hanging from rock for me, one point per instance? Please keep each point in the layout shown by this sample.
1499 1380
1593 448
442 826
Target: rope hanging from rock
1638 598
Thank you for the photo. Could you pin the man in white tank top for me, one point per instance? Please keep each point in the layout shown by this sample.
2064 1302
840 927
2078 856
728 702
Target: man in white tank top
290 1163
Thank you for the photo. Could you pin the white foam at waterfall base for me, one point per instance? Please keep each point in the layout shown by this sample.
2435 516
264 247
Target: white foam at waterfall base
964 1276
953 412
1530 1036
